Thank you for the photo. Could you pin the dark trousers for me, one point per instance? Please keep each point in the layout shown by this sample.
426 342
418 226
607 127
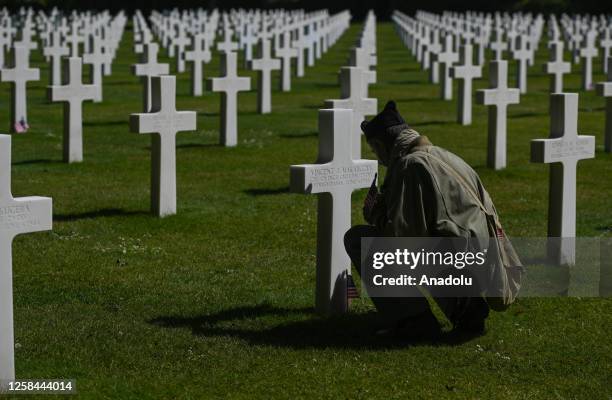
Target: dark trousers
397 308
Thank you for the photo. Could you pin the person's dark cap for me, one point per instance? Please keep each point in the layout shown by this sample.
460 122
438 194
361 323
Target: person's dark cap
387 118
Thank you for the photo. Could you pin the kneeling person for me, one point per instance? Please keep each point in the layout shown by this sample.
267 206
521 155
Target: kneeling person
418 200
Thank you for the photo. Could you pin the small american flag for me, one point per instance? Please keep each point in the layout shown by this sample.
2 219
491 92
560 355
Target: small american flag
21 126
351 289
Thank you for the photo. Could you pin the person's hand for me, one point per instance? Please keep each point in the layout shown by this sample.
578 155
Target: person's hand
370 202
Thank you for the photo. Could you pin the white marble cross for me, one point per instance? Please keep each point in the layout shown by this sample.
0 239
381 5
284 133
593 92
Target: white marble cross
19 75
574 39
17 216
446 58
333 179
74 39
360 57
465 72
96 59
499 45
72 94
26 39
148 69
352 96
227 45
265 64
107 44
512 35
55 51
605 89
521 54
180 42
229 84
164 122
424 43
248 40
587 53
286 53
481 39
556 67
300 45
310 45
564 148
605 42
498 97
434 49
200 53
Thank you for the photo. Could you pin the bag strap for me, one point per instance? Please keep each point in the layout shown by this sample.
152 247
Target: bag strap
461 181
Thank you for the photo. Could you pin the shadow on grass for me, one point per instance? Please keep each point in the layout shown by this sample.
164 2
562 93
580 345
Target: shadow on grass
217 113
314 106
416 99
407 82
355 331
122 83
301 135
408 69
103 213
208 114
427 123
196 145
267 191
125 122
37 161
324 85
526 115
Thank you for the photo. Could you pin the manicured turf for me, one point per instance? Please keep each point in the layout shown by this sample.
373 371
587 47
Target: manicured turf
216 302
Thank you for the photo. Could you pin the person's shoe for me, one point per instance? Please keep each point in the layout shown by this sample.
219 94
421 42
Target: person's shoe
473 319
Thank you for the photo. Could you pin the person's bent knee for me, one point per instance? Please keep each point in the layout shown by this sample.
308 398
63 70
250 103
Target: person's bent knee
352 237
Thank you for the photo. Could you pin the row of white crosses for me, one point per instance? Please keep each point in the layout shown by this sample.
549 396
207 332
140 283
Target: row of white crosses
340 170
160 117
562 150
519 36
499 96
18 71
586 40
33 214
322 30
355 79
566 147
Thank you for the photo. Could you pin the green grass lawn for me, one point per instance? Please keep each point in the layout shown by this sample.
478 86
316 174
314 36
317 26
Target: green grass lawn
217 301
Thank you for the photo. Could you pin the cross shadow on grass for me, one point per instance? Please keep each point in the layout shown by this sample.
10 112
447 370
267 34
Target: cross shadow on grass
122 82
300 135
301 329
526 115
125 122
319 106
196 145
407 82
267 191
208 114
102 213
37 161
427 123
416 99
325 85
